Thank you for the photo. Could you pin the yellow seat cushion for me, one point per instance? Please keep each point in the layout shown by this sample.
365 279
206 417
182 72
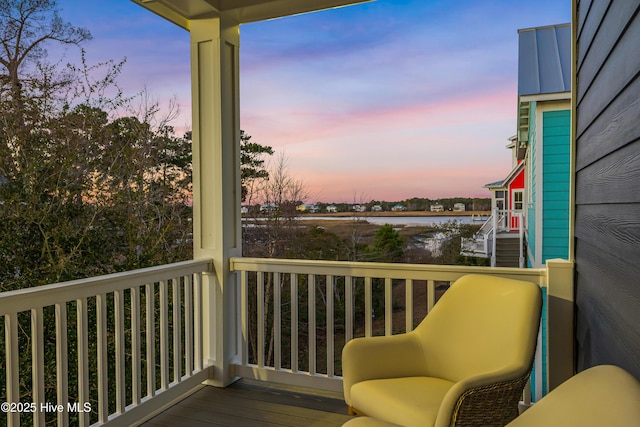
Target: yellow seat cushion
411 401
605 395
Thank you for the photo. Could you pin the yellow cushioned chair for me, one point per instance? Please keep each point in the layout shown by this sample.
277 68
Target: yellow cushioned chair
601 396
464 365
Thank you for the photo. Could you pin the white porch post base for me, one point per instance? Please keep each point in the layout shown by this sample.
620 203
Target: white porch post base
560 316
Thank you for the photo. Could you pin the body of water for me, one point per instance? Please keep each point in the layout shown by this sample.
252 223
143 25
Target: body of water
414 221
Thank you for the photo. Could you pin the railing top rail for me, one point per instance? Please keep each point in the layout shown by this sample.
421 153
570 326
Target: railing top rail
42 296
487 226
511 211
383 270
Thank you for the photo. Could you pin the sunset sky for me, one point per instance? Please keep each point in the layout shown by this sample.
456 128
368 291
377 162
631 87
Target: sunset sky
385 100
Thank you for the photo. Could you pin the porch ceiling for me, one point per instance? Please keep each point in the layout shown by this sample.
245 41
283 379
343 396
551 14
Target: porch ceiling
180 12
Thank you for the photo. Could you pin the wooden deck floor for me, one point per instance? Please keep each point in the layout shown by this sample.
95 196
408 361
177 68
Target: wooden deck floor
250 404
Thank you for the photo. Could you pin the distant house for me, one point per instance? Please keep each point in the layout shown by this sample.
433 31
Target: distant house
269 208
507 195
332 209
359 208
244 210
537 188
376 208
459 207
544 108
307 208
436 208
398 208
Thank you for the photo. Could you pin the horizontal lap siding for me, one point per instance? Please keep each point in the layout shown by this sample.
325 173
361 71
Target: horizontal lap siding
607 308
613 179
556 181
620 67
607 223
558 223
616 127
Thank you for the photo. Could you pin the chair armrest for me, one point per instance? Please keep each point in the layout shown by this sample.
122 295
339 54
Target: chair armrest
495 392
381 357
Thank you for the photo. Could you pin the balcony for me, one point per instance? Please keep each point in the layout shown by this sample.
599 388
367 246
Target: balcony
125 347
503 226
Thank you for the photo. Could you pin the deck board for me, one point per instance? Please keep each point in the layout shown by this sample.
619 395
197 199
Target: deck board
248 404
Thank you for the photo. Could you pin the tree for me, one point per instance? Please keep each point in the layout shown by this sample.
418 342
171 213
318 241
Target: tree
26 26
276 232
252 163
89 184
87 190
273 234
387 245
320 244
357 247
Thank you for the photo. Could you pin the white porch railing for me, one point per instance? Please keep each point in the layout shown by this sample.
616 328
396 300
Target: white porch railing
114 348
338 301
480 245
124 346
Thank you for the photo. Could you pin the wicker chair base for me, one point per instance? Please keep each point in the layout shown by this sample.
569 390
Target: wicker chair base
492 405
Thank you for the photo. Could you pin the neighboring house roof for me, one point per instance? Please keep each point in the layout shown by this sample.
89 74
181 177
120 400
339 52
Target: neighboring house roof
497 184
505 182
544 60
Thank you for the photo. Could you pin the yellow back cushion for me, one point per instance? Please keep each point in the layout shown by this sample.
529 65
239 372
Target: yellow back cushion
480 325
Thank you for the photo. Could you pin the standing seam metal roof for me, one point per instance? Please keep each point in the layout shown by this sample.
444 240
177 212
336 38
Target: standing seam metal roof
544 60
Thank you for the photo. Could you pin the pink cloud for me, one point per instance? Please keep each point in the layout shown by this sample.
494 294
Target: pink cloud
428 149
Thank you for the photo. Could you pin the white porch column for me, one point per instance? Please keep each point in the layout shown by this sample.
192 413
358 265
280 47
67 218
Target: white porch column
216 182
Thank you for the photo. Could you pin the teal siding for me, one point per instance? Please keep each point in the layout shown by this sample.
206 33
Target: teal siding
531 211
556 207
556 181
555 144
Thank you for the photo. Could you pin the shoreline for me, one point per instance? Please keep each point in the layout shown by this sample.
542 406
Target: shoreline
395 214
